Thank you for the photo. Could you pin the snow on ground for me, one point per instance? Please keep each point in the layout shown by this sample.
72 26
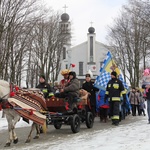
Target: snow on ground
3 123
133 136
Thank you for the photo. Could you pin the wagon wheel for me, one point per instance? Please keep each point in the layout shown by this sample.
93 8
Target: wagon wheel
57 125
89 120
75 123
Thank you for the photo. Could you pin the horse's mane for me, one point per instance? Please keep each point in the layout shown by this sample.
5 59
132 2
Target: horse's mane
4 88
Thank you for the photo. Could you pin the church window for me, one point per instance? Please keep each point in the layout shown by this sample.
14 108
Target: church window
91 49
64 52
80 68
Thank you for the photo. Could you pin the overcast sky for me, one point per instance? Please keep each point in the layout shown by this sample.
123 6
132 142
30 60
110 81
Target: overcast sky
82 12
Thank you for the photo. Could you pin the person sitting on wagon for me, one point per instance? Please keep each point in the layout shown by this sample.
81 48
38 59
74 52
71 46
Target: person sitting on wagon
45 87
71 89
64 81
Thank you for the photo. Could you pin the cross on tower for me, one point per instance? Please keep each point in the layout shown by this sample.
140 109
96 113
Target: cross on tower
65 7
91 23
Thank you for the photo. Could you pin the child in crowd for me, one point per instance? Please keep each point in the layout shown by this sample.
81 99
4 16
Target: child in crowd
142 106
103 107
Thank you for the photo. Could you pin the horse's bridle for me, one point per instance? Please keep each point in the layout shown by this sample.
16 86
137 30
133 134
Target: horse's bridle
11 90
2 98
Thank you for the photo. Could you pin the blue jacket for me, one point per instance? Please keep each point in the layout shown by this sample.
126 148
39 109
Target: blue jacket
100 99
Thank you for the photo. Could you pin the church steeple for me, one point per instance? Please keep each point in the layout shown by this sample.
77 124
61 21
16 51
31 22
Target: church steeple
65 24
65 29
91 44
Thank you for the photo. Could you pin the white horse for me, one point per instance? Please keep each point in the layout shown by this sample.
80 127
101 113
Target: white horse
13 117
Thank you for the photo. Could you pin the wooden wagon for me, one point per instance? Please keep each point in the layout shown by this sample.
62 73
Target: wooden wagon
59 112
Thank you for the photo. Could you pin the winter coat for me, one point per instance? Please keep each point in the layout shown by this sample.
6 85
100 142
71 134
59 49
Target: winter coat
148 94
45 88
89 87
73 87
134 98
142 105
114 90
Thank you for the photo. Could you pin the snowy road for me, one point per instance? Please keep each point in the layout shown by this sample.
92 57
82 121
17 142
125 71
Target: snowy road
132 134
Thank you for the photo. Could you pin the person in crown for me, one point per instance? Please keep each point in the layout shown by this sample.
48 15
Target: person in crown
64 81
70 90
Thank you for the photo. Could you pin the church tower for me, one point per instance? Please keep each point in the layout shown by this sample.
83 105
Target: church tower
65 29
91 58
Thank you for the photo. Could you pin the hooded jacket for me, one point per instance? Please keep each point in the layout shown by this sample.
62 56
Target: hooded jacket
73 86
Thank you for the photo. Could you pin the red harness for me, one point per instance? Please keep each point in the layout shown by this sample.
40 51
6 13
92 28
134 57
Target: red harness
13 89
5 104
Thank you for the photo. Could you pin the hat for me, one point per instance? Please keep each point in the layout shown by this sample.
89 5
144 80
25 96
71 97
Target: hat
73 74
42 76
88 75
114 73
65 71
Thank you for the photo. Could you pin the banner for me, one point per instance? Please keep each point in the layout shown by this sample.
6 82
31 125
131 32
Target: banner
108 66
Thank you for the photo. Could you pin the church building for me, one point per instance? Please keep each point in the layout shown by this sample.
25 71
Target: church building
87 56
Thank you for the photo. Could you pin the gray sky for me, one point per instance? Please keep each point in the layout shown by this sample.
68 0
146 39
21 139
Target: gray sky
82 12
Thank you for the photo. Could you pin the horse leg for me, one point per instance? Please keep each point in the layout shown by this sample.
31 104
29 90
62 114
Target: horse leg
29 136
37 131
10 138
15 138
3 114
12 118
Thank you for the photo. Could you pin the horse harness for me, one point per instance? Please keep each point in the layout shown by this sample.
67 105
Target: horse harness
4 104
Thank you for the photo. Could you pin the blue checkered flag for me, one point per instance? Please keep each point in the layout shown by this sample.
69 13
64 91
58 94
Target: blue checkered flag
104 74
102 80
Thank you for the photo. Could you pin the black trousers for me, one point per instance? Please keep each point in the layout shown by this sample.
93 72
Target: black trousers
114 111
93 104
134 108
142 111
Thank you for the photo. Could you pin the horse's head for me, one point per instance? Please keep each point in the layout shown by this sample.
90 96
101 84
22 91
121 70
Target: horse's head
4 89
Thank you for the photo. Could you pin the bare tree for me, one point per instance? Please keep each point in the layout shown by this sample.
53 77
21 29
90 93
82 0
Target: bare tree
14 16
128 40
46 48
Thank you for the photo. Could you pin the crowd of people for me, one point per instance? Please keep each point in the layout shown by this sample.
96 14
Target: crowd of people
114 103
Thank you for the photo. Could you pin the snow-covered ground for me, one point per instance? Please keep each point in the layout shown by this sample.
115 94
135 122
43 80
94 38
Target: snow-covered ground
132 136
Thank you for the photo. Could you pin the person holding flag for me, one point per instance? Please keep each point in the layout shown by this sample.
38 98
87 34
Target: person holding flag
112 82
114 90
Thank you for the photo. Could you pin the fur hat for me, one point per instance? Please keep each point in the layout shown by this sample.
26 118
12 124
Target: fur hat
73 74
114 73
65 71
